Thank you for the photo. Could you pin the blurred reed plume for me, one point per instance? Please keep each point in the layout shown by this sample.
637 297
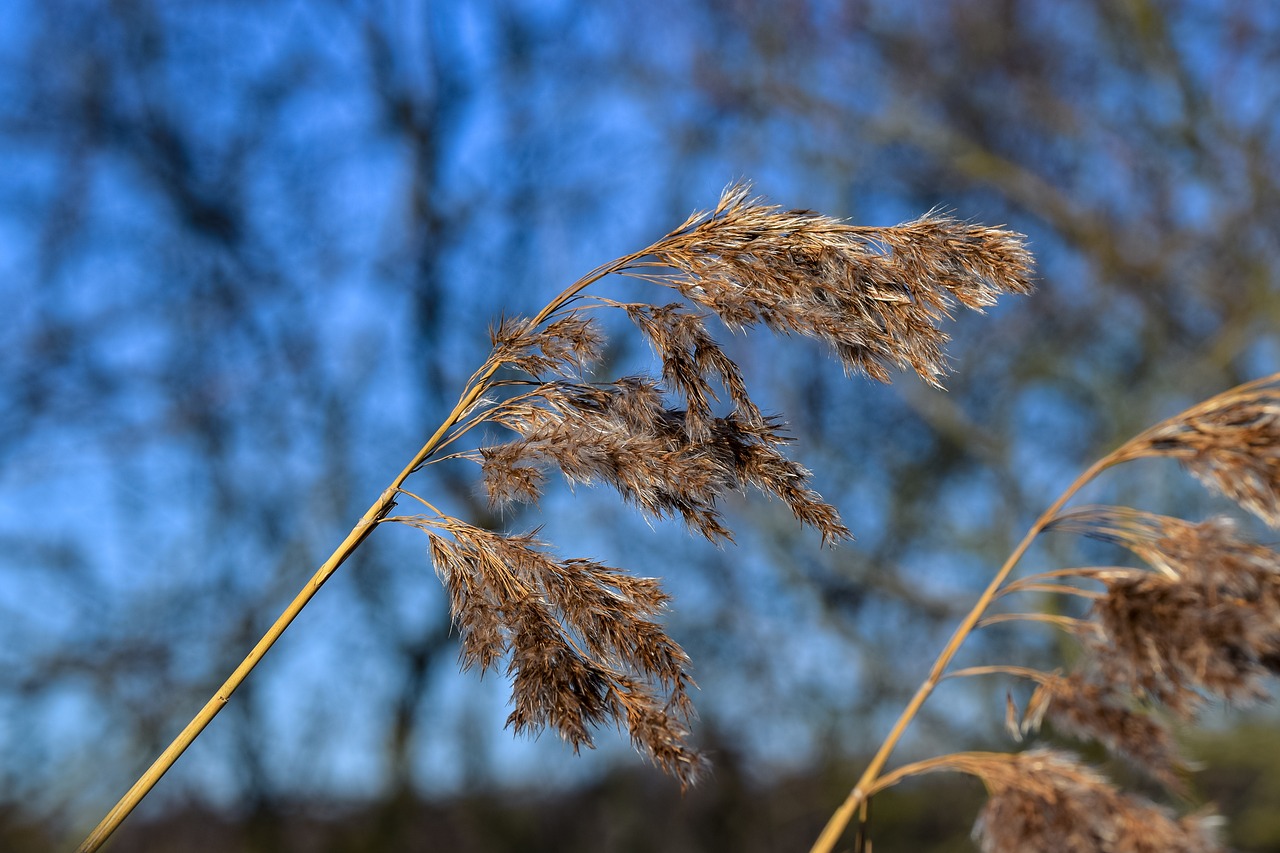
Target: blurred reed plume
1197 621
581 641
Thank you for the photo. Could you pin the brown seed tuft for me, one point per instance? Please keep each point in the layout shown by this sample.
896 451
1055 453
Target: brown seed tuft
1046 800
690 360
1092 709
564 347
876 295
1231 443
1206 621
580 639
622 435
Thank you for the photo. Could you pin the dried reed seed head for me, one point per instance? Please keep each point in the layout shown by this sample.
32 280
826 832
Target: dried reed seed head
582 646
1046 800
621 434
659 730
473 607
1208 619
691 361
876 295
507 478
565 347
1175 639
1232 444
1177 547
1089 708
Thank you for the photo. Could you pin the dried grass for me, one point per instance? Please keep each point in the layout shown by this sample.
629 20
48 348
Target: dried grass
1198 622
1231 443
1088 706
1046 800
875 295
583 647
583 643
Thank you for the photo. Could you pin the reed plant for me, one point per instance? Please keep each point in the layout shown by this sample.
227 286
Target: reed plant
1198 620
583 643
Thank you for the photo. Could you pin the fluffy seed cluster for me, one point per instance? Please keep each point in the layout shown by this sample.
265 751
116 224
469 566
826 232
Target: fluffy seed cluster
1232 444
623 434
1043 799
1200 622
582 642
692 362
564 347
876 295
1088 707
1204 622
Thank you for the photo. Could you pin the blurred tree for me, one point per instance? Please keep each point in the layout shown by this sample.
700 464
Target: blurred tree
251 249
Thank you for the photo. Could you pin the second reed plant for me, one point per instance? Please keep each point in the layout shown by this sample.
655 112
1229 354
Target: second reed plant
1196 620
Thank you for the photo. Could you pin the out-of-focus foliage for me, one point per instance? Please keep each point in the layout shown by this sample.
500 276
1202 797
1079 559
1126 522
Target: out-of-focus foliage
249 250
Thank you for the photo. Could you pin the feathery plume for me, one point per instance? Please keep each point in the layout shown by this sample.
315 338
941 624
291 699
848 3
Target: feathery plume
1091 708
580 636
1231 443
581 641
621 434
1043 799
1206 621
876 295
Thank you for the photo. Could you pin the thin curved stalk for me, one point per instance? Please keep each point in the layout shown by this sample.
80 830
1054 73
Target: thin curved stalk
1052 589
476 387
1037 582
1067 623
1137 447
999 669
379 510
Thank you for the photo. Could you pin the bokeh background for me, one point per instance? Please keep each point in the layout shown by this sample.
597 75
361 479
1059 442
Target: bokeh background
249 252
